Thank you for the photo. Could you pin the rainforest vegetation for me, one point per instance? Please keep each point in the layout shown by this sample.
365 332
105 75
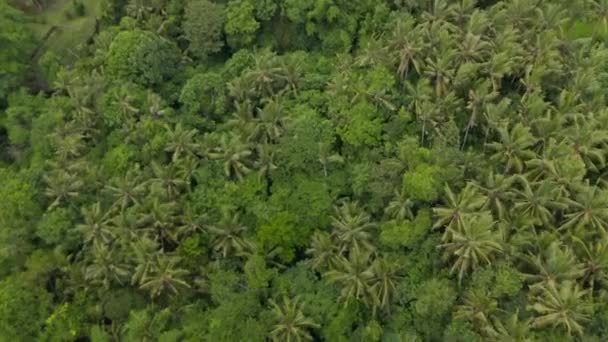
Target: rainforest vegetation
303 170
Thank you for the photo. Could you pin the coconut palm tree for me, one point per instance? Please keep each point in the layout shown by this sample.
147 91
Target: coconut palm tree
478 307
588 209
164 276
537 202
166 179
562 304
126 190
354 275
383 284
62 187
458 208
290 324
594 258
554 264
181 141
234 155
513 149
352 228
473 244
228 235
400 208
95 229
107 268
497 190
323 252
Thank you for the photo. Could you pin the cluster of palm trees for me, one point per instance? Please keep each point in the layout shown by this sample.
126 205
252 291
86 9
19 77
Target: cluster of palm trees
523 97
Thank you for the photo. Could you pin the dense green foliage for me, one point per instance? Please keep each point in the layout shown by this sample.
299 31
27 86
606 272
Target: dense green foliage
307 170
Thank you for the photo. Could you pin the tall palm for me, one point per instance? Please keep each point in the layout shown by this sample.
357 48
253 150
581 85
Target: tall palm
126 190
594 258
475 243
514 147
266 72
290 323
562 305
354 275
588 209
166 179
265 163
165 276
107 268
352 228
228 235
143 250
512 329
158 220
62 186
497 190
96 228
269 123
400 208
383 289
478 98
323 252
537 202
181 141
234 155
458 208
477 308
406 44
554 264
326 157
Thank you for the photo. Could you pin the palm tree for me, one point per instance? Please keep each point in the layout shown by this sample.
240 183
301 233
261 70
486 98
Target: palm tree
106 268
594 257
126 190
588 209
405 40
234 154
228 235
513 149
96 228
554 264
477 308
537 204
510 330
478 99
589 143
474 243
563 305
190 222
181 141
400 208
458 208
164 276
265 161
158 220
290 324
326 157
269 123
355 276
352 228
266 72
143 250
69 146
497 190
166 178
62 186
384 282
323 252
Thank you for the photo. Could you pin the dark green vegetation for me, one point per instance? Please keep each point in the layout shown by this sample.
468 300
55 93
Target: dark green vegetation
292 170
